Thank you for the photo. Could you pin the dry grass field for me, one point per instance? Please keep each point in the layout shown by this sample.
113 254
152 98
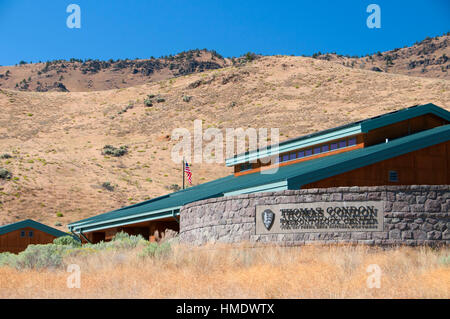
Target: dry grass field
241 272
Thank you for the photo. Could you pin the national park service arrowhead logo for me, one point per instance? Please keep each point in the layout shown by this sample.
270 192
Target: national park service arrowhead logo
268 217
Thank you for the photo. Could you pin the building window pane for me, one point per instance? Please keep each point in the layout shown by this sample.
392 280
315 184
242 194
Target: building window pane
325 148
342 143
22 233
301 154
30 233
334 146
285 157
308 152
292 156
352 141
316 150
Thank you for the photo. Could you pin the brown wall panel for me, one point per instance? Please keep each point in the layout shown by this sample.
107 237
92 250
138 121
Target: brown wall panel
403 128
429 166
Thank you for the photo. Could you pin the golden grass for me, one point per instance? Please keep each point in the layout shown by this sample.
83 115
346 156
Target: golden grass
224 271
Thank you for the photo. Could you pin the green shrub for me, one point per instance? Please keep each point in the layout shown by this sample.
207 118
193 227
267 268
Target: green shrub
121 236
114 151
5 174
148 102
249 56
59 214
445 260
156 250
67 241
8 259
5 156
174 187
123 240
108 186
41 256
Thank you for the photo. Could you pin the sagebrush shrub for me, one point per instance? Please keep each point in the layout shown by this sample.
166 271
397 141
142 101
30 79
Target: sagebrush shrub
5 174
156 250
126 241
114 151
8 259
108 186
67 241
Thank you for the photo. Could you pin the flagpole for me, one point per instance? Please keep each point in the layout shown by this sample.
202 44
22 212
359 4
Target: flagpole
183 172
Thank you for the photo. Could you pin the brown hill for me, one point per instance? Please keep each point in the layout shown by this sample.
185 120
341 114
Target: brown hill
94 75
428 58
55 139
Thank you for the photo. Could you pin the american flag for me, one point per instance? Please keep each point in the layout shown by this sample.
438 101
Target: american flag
188 173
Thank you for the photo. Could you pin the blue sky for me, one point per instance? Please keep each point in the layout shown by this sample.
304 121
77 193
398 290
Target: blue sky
35 30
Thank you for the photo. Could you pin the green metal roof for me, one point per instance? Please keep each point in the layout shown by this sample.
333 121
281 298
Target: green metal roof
362 126
296 175
32 224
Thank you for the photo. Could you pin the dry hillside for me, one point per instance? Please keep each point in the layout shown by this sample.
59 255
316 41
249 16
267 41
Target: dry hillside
95 75
427 58
56 138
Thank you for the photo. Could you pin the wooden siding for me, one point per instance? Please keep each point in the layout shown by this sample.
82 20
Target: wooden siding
403 128
14 243
428 166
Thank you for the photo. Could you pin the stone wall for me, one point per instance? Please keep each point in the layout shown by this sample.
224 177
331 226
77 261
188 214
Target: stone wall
413 215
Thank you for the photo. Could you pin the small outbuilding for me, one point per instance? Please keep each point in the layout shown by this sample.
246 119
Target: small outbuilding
16 237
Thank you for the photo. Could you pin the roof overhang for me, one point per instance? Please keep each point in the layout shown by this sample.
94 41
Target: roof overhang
403 115
272 187
132 219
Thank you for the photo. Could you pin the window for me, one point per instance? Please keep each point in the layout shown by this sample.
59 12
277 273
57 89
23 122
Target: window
352 141
393 176
316 150
334 146
285 157
342 143
301 154
30 233
22 233
325 148
308 152
292 156
243 167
